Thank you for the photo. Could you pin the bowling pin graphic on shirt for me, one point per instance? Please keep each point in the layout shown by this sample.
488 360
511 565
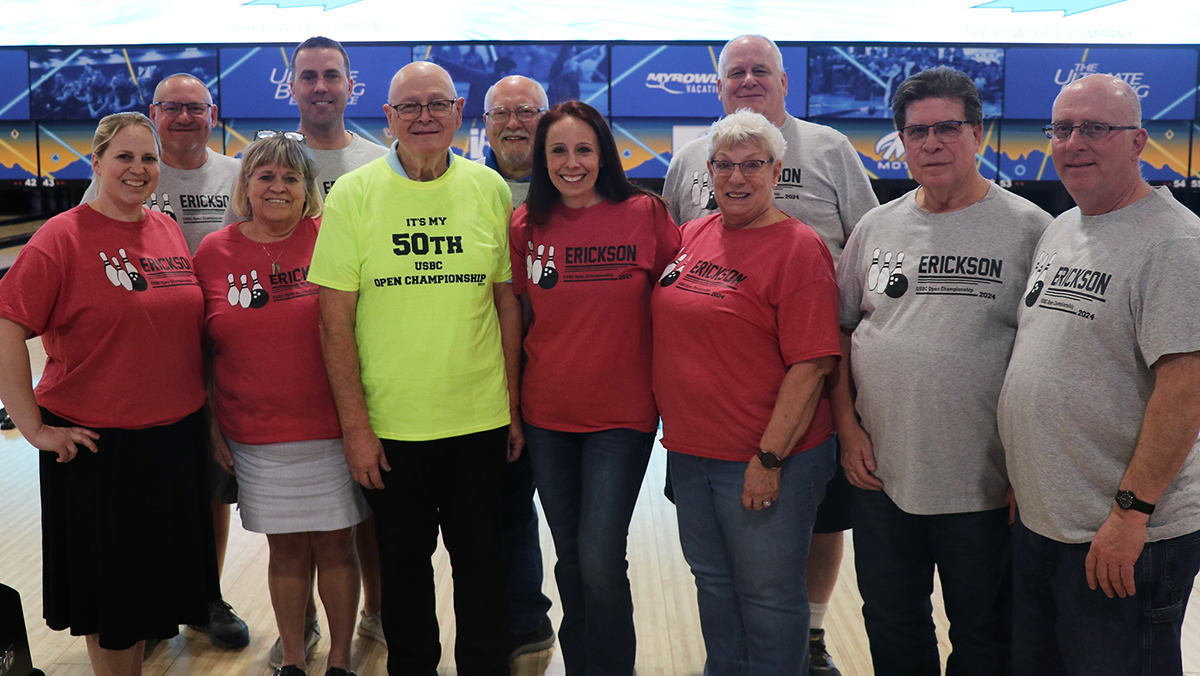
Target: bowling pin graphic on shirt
123 275
542 271
139 282
258 295
673 270
1038 278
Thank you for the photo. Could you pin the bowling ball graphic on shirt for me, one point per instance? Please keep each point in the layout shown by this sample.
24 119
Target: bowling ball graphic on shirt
248 294
122 273
885 279
1032 296
541 270
897 285
672 271
1040 266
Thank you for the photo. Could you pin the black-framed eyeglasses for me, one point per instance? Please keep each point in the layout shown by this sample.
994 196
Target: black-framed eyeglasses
411 111
1090 130
946 130
174 108
750 168
524 114
289 135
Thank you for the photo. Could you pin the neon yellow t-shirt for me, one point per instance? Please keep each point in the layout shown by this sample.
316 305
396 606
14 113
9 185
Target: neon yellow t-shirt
423 256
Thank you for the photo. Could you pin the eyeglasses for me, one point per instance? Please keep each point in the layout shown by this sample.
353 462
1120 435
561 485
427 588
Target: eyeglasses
1091 130
524 114
411 111
750 168
946 130
174 108
289 135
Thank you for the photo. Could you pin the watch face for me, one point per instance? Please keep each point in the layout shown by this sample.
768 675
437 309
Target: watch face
1125 499
768 459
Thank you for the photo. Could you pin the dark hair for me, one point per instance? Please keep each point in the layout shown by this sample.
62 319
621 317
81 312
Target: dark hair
941 82
611 183
319 42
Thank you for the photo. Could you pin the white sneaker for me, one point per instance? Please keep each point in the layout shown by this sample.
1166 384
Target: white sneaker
312 635
371 626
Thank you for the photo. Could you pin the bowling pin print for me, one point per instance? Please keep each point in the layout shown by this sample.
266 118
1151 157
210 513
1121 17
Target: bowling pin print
258 295
897 282
233 294
110 271
873 271
1039 278
537 265
696 188
549 272
122 276
671 272
884 273
529 260
712 196
154 203
244 294
139 282
166 207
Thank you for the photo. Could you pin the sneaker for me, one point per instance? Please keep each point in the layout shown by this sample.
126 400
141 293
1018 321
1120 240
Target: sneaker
819 661
371 626
312 634
338 671
289 670
535 641
224 628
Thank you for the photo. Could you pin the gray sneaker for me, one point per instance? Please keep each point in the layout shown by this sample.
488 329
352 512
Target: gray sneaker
371 626
312 635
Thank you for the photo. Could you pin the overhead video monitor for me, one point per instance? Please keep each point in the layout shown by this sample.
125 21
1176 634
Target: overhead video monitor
857 81
87 84
14 84
18 151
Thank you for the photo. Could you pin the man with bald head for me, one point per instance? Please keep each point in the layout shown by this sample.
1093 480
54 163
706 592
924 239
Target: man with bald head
512 108
1100 409
422 336
824 186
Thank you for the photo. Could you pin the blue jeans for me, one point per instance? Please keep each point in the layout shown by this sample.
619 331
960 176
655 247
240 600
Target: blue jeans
589 483
1062 627
527 605
895 554
750 565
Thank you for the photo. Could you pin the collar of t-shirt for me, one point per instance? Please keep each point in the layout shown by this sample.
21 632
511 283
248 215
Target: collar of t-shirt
489 161
393 159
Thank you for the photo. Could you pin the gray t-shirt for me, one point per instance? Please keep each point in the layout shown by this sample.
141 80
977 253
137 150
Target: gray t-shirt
1107 297
932 300
196 198
824 184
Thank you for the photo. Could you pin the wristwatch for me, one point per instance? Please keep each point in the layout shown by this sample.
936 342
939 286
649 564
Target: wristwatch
769 459
1127 500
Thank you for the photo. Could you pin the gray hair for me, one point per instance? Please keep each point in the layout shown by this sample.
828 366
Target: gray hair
187 77
941 82
746 126
774 50
491 92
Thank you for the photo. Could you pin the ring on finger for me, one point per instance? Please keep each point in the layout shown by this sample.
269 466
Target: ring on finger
766 503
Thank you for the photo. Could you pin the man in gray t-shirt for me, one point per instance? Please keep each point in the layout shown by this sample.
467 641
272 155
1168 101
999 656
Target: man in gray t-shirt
1100 408
823 185
929 286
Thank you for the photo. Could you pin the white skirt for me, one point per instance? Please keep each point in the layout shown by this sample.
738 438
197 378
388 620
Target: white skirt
296 486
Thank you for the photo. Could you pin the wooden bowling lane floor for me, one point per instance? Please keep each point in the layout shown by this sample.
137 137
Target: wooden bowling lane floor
668 630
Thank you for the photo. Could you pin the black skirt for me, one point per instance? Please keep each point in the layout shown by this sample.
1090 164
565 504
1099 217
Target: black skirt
127 535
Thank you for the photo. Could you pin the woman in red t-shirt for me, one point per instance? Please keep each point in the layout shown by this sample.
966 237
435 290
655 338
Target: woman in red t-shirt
275 423
587 247
745 330
118 411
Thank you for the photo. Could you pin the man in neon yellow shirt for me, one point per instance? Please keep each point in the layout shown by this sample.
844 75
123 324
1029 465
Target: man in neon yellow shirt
422 337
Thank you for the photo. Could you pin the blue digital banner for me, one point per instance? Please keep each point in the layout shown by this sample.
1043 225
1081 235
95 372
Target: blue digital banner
566 72
681 80
256 80
87 84
14 84
857 81
1163 77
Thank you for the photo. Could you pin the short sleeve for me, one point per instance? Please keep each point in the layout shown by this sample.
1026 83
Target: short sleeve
336 262
849 282
667 237
29 291
806 317
504 266
1165 300
856 197
516 250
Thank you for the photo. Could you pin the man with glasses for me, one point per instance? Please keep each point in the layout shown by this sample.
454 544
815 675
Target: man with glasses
194 186
930 283
513 107
422 338
823 185
1101 407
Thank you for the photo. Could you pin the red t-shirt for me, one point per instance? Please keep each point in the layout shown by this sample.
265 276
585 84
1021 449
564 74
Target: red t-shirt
589 273
735 311
119 312
270 375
